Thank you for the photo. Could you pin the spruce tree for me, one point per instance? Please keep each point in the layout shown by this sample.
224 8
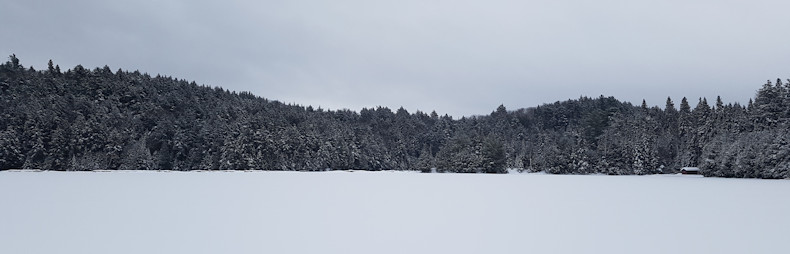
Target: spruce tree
670 106
684 106
15 62
719 104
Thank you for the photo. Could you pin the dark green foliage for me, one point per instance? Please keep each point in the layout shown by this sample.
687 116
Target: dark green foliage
50 67
769 104
684 106
493 153
13 62
85 119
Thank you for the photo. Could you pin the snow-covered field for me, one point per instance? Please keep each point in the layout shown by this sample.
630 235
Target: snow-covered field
388 212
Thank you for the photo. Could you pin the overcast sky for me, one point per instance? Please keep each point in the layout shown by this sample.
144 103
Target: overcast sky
456 57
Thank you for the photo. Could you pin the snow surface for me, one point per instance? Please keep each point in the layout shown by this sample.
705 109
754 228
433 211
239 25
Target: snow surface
388 212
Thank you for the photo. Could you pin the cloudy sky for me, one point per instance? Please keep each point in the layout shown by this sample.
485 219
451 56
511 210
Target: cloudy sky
456 57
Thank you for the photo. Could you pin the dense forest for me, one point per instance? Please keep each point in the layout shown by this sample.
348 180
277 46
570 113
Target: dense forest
83 119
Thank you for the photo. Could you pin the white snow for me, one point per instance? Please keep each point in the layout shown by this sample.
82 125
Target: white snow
388 212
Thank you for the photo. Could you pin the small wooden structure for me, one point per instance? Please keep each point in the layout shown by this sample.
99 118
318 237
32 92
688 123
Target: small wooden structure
689 170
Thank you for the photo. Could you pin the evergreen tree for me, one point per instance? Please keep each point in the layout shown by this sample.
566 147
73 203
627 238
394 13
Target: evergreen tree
670 106
96 119
15 62
719 104
493 153
768 108
50 67
684 106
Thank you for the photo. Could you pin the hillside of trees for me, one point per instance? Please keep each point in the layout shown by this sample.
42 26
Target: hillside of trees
83 119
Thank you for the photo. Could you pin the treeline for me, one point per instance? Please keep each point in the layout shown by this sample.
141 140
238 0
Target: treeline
82 119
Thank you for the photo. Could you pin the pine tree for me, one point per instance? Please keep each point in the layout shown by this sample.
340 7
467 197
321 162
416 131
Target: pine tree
684 106
719 104
768 105
50 67
670 106
493 154
750 106
15 62
500 111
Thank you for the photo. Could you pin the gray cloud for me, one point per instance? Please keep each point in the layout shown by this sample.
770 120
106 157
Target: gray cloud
457 57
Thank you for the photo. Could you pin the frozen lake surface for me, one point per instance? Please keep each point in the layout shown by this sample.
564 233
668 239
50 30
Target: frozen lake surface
388 212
